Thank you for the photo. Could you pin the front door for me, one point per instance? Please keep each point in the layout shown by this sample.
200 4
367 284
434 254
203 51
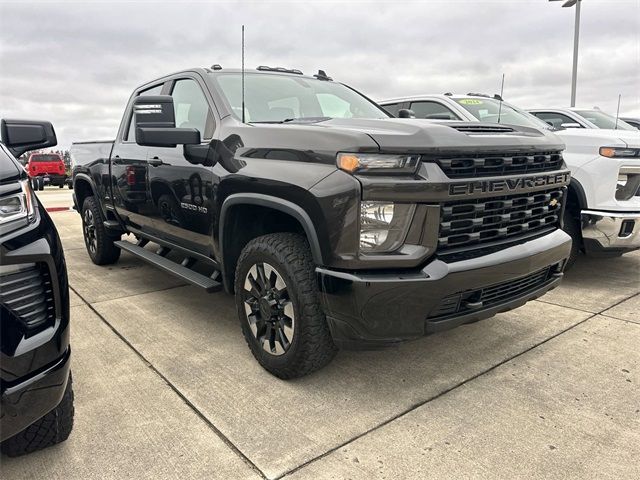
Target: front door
180 189
129 172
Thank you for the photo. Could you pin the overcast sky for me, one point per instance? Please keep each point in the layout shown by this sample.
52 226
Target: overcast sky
76 63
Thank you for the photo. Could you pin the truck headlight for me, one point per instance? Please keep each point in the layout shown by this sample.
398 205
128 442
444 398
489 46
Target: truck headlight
18 205
383 226
619 152
375 163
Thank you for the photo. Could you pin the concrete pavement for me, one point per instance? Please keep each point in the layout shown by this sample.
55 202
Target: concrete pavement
166 387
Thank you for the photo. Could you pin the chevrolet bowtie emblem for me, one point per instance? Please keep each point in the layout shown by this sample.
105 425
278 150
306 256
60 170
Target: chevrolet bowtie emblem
553 202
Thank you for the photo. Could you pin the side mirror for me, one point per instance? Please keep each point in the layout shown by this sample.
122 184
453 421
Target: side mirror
23 135
570 125
156 123
406 113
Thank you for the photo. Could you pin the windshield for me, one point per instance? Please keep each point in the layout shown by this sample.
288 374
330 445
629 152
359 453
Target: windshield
45 157
603 120
488 110
276 98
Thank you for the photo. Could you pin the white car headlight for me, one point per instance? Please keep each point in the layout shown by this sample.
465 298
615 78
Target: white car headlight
18 205
383 226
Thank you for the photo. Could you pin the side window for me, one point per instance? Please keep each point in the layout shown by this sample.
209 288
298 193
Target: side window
131 136
556 119
191 107
392 108
433 111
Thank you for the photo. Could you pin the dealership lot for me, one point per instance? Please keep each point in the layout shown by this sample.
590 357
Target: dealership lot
165 386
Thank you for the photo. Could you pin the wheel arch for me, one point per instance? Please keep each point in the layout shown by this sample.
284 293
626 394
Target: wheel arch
287 212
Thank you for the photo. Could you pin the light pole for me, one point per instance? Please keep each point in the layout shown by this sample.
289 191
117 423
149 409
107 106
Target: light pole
576 37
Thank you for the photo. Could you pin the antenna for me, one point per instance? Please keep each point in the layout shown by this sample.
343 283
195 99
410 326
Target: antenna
242 75
618 110
501 91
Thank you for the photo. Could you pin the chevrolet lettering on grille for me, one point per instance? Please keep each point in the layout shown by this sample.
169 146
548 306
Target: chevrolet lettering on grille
507 184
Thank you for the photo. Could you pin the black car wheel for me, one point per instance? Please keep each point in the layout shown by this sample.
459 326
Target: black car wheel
279 307
53 428
572 228
98 240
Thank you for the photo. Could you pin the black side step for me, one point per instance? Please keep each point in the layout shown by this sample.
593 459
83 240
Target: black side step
169 266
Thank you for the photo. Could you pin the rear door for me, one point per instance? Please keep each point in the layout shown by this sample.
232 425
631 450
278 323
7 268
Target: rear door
129 170
181 191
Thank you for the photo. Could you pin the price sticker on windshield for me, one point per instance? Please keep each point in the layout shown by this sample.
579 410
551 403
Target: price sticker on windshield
470 101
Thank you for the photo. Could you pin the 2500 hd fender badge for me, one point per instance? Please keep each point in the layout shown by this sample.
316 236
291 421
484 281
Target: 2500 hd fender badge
507 184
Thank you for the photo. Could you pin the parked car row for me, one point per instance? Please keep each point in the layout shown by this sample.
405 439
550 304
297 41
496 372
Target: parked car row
333 223
603 205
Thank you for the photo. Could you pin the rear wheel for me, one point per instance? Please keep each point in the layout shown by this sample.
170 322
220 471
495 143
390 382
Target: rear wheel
53 428
40 183
98 240
279 307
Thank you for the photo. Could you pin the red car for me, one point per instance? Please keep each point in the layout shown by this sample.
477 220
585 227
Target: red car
46 168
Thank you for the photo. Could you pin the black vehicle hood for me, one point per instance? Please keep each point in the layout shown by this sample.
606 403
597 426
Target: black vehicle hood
420 136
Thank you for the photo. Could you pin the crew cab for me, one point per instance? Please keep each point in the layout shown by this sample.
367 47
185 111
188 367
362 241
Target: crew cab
46 168
603 207
333 224
36 403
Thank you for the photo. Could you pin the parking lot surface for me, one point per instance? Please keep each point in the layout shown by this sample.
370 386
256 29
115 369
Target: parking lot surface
166 387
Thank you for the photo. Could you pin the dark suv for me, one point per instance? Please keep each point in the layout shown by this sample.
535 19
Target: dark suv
36 408
333 224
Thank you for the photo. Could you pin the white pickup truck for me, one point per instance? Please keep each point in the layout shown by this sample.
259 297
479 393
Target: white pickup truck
603 209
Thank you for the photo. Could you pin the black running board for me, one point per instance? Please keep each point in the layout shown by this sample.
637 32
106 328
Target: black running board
169 266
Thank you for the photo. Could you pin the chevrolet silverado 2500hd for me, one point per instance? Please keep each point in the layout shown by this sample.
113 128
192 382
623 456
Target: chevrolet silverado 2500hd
333 224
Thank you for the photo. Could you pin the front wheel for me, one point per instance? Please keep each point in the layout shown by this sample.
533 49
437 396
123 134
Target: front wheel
572 228
53 428
279 307
97 238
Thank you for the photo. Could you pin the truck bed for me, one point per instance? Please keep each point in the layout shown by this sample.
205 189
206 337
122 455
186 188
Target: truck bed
85 153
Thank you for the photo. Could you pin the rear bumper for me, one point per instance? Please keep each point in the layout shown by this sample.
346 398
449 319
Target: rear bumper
610 232
376 309
54 178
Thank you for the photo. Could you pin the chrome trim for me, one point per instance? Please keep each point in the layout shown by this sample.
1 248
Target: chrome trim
604 227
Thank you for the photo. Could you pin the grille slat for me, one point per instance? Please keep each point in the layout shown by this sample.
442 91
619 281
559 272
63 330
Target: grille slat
473 300
29 295
472 222
483 165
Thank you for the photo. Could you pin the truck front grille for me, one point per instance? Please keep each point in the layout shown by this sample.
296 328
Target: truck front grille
471 300
27 293
472 223
489 165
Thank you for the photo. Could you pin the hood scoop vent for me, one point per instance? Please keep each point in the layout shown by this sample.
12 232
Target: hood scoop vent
483 128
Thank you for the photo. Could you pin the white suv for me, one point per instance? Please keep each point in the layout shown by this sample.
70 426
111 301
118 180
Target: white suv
603 208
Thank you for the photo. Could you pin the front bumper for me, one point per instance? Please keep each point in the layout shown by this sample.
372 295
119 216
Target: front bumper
35 323
368 310
610 232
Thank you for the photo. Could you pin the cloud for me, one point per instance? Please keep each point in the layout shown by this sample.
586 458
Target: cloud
76 63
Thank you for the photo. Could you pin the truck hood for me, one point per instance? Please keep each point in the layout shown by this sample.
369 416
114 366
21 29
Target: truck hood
600 137
424 136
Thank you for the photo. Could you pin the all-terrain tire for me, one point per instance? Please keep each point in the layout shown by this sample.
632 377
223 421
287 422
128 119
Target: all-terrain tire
572 228
311 347
53 428
97 239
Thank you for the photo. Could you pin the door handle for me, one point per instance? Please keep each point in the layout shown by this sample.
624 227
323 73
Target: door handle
155 162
